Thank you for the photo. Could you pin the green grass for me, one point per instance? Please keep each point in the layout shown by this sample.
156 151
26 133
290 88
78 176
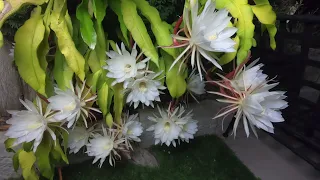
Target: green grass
205 158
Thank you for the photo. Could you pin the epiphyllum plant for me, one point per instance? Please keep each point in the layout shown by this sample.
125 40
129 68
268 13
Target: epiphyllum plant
56 46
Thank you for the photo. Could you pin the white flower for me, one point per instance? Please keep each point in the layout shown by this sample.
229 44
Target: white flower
28 125
188 130
71 104
195 85
145 90
105 145
208 32
11 54
132 129
172 125
122 65
249 96
78 137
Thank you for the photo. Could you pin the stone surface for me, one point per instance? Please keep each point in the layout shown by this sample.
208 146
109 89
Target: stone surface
143 157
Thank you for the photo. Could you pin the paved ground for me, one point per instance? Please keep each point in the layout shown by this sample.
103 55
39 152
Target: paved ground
265 157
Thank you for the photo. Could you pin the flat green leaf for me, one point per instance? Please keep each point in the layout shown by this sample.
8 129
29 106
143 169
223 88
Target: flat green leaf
109 120
42 154
159 29
58 153
26 161
116 8
76 36
101 46
138 30
241 10
87 30
118 102
62 73
272 30
93 80
228 57
28 39
65 43
8 144
99 9
175 80
27 146
15 160
65 136
103 98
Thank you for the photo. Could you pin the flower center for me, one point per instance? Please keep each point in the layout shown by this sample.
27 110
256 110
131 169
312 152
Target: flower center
129 132
108 146
127 68
167 126
71 106
213 37
143 86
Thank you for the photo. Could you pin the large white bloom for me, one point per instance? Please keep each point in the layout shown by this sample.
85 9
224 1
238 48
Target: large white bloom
195 85
72 103
122 65
171 126
28 125
144 89
131 129
207 32
78 137
105 145
249 96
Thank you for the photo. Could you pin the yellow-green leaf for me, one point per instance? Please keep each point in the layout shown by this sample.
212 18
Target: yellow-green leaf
87 30
228 57
92 80
15 160
43 159
13 5
272 30
28 39
8 144
159 29
58 153
62 73
138 29
118 102
99 9
26 161
101 46
116 8
103 90
65 43
109 120
241 10
174 78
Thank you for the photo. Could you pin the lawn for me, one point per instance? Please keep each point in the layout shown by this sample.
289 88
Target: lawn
205 158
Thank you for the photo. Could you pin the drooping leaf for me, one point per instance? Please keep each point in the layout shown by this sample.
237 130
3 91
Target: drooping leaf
109 120
264 12
116 8
92 80
62 73
65 136
175 80
8 144
87 30
27 146
66 45
99 9
28 39
241 10
43 158
138 30
13 5
118 102
76 36
228 57
159 28
26 161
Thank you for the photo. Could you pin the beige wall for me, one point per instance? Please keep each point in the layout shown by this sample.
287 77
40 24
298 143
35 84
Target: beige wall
11 86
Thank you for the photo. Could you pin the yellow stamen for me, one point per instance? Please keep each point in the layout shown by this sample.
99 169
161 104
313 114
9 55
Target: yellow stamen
71 106
213 37
143 87
167 126
127 68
